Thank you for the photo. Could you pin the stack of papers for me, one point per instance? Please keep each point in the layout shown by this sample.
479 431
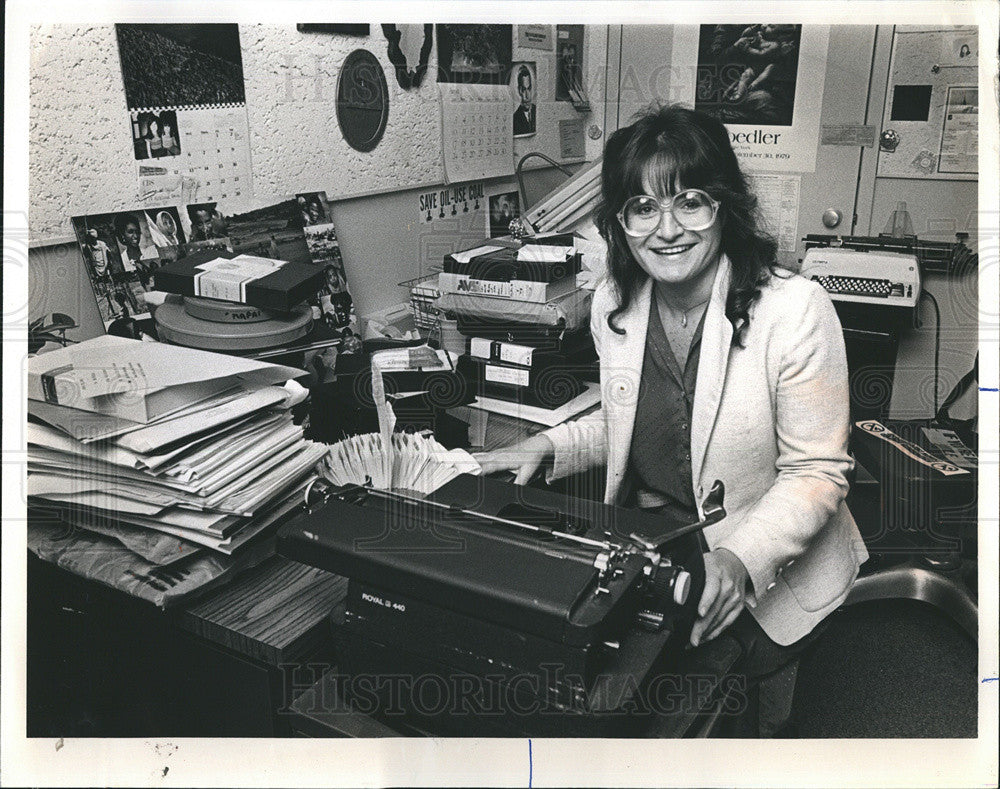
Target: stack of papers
419 464
141 381
214 472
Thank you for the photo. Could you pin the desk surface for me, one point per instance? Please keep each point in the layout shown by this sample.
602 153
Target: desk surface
273 613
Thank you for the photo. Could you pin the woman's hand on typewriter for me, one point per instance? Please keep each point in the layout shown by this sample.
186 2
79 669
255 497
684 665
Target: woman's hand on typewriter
523 458
724 595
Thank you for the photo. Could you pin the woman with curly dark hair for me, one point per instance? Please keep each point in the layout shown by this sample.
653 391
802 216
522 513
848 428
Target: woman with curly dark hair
715 365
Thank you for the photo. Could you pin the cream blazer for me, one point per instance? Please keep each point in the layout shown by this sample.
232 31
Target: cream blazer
770 420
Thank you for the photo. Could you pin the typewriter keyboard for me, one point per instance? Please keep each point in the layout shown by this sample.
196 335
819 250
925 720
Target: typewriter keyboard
858 286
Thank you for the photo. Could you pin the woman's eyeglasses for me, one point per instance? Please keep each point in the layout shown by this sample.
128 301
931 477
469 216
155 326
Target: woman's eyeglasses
692 209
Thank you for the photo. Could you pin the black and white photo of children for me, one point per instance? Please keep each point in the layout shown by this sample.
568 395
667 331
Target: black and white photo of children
164 225
205 222
334 300
504 209
747 73
205 229
155 135
114 275
313 208
135 244
324 249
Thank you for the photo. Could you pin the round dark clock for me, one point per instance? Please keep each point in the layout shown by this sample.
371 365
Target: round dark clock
362 100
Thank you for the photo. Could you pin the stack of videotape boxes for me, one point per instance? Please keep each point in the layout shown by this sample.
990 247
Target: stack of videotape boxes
524 319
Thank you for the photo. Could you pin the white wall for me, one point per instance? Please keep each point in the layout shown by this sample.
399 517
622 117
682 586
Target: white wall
81 160
81 157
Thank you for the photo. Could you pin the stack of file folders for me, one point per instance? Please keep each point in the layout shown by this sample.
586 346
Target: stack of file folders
182 457
524 318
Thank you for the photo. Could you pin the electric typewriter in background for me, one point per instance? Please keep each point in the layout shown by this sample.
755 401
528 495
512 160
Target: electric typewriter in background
502 609
864 271
876 285
883 271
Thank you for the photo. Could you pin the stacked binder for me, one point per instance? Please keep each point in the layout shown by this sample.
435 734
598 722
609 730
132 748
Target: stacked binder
524 319
207 464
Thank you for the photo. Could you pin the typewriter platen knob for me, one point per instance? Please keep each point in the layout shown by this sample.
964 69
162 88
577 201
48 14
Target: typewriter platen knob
681 586
669 586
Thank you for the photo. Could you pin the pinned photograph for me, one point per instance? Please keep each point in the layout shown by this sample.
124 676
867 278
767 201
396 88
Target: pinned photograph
204 227
155 134
504 209
747 73
522 85
324 249
337 306
164 227
474 54
165 233
205 222
569 63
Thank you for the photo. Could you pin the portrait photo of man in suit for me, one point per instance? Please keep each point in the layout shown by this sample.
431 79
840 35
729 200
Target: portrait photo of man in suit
524 115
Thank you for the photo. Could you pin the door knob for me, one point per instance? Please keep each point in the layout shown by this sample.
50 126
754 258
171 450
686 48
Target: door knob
832 217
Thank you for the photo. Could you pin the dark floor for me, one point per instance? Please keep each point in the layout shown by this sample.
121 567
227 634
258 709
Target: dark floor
896 668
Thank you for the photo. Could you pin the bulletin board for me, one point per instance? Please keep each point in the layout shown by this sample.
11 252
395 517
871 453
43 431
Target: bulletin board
931 108
82 156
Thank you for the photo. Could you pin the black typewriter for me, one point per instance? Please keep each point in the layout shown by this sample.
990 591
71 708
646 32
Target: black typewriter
496 609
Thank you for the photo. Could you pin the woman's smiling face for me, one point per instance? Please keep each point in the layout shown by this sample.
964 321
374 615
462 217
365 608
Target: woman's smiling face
672 254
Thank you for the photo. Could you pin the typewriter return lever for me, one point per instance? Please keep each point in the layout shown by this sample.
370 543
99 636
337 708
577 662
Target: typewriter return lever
668 585
711 507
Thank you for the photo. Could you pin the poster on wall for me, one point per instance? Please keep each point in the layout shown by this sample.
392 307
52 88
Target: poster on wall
535 37
187 112
451 201
764 81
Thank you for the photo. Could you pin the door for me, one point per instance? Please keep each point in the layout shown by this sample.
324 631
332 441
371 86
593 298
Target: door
641 58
